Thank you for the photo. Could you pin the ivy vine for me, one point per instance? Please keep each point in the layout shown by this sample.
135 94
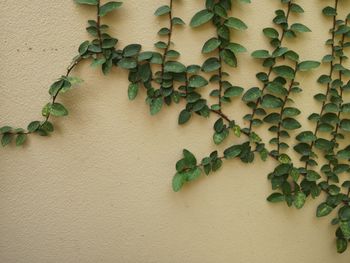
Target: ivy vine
271 104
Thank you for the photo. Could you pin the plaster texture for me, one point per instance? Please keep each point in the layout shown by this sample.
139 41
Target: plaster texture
99 190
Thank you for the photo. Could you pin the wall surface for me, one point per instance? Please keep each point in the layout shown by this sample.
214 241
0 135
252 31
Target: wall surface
99 190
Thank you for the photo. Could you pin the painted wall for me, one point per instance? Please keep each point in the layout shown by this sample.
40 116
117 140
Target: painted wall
99 190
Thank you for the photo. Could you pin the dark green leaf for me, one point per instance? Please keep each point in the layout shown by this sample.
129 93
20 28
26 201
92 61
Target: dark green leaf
276 198
108 7
174 66
211 64
156 106
308 65
201 18
21 138
184 117
300 28
236 23
323 210
58 110
252 95
284 71
233 151
87 2
211 45
133 90
165 9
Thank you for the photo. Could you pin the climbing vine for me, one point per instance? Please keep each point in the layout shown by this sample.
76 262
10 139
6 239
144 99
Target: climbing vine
271 103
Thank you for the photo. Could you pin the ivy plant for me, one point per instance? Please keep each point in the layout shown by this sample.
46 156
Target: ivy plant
270 104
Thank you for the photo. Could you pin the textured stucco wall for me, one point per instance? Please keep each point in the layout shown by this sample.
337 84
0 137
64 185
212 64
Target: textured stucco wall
99 190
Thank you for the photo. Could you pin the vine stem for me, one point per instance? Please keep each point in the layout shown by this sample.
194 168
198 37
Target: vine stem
54 98
269 72
220 80
282 109
70 68
334 139
171 26
328 85
98 21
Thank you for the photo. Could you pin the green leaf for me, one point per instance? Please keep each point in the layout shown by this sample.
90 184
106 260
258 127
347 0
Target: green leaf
108 7
308 65
271 33
342 245
178 182
156 105
87 2
345 228
47 127
73 80
83 48
5 129
175 67
233 151
233 91
189 158
21 138
290 112
329 11
193 174
299 200
344 154
6 139
33 126
252 94
284 71
178 21
58 110
197 81
324 144
229 57
109 43
133 90
165 9
276 198
211 64
236 48
184 117
211 45
344 213
131 50
290 124
296 8
312 176
323 210
271 102
236 23
345 125
300 28
201 18
306 136
261 54
127 63
219 137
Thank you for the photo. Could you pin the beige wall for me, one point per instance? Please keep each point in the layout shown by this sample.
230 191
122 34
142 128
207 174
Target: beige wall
99 190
